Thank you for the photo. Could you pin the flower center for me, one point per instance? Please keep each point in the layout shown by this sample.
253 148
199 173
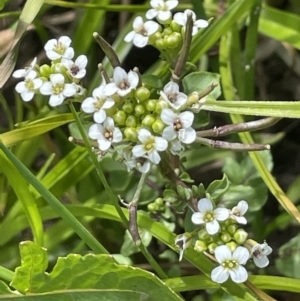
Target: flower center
123 85
230 264
58 88
108 134
142 31
29 84
177 125
60 48
149 144
209 216
236 212
74 69
257 253
140 161
99 103
172 97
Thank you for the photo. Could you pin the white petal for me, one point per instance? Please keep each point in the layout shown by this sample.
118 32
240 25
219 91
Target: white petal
154 157
138 22
20 87
99 116
242 206
239 274
151 13
163 16
138 151
37 83
119 75
81 61
212 227
222 253
186 118
187 136
219 274
201 23
27 95
261 262
95 131
109 123
65 40
19 73
145 167
56 100
171 88
104 144
144 135
161 144
140 41
197 218
241 255
151 27
50 44
168 116
46 88
52 55
69 90
87 105
57 79
179 19
221 214
171 4
133 79
109 102
117 134
204 205
169 133
129 37
110 89
240 219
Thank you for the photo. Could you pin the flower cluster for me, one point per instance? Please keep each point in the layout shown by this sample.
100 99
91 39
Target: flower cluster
60 80
221 236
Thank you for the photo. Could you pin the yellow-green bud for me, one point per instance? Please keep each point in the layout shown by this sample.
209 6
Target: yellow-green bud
131 121
226 237
142 93
131 134
148 120
161 104
159 201
203 235
192 98
128 107
152 207
160 44
58 68
200 246
173 40
150 104
120 117
167 31
232 228
45 71
175 26
139 109
158 126
212 247
231 245
240 236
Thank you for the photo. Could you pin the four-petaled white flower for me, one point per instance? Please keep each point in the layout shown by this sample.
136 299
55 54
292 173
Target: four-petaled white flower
238 212
98 103
141 32
172 95
142 164
181 19
123 83
58 89
208 216
77 68
56 49
230 264
259 253
24 72
105 133
161 10
179 126
29 86
150 146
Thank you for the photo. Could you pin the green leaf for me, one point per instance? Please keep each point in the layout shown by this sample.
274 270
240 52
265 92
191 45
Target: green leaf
84 272
152 81
199 81
218 187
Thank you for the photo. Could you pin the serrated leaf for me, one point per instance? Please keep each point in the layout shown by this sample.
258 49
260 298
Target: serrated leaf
84 272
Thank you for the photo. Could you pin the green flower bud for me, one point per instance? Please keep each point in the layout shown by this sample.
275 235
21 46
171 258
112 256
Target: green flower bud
161 104
173 40
175 26
131 121
159 201
150 104
160 44
158 126
152 207
131 134
45 71
192 98
200 246
139 109
232 228
142 93
120 117
203 235
148 120
128 107
111 111
240 236
231 245
212 247
167 31
226 237
58 68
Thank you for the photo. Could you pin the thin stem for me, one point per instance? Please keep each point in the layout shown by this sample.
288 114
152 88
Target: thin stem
6 274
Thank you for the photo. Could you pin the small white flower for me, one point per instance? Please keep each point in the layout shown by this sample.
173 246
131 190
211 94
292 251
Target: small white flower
24 72
98 103
105 134
161 10
238 211
142 164
179 126
77 68
259 253
181 19
150 146
29 86
56 49
141 32
123 83
172 95
230 264
58 89
183 241
208 216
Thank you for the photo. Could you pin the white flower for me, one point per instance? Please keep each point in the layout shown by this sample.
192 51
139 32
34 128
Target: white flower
24 72
208 216
142 164
172 95
98 103
29 86
123 83
161 10
141 32
105 134
238 211
230 264
58 89
150 145
56 49
259 253
179 126
183 241
77 68
181 19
